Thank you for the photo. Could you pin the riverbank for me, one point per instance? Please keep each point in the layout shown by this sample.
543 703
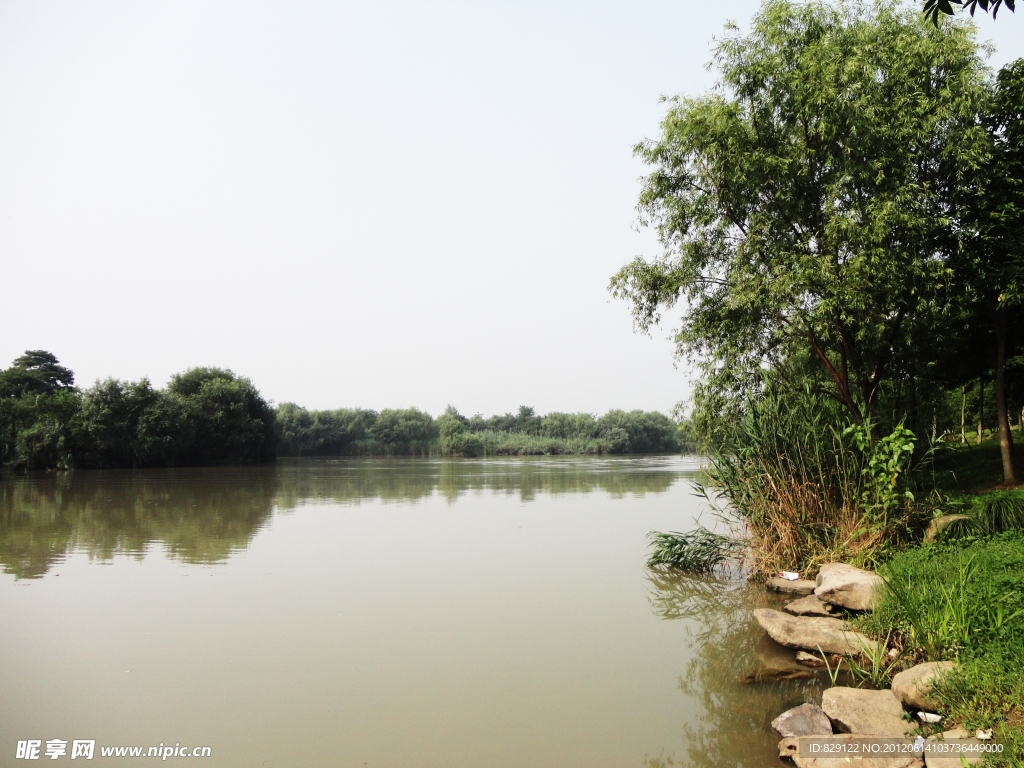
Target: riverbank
946 614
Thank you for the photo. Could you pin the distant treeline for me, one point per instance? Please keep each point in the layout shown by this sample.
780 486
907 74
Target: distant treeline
211 416
396 432
204 416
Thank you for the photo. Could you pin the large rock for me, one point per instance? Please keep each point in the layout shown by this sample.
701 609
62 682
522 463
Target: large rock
937 760
805 720
776 662
939 524
850 587
866 713
792 749
806 633
798 587
810 606
914 686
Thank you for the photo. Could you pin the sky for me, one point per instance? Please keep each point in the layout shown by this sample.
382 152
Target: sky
375 205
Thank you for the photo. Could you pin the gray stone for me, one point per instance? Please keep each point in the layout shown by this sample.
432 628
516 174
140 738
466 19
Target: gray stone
913 686
841 584
810 606
863 712
939 524
776 662
903 761
805 720
798 587
938 761
808 633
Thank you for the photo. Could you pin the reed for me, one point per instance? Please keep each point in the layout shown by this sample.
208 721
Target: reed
806 487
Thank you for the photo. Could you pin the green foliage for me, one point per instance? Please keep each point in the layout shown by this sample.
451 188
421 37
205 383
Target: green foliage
407 430
885 468
793 475
206 415
227 421
322 433
932 8
802 205
700 551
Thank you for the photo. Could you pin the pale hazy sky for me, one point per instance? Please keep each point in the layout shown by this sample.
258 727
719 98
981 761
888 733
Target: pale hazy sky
355 204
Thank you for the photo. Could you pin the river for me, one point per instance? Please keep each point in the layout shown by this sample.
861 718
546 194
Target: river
381 613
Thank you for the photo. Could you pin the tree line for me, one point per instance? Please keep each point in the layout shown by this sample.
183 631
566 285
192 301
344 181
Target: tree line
208 416
413 432
203 416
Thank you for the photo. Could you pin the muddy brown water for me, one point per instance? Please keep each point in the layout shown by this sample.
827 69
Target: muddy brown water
355 612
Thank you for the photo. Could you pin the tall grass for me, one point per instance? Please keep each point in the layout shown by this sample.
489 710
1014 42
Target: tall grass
805 489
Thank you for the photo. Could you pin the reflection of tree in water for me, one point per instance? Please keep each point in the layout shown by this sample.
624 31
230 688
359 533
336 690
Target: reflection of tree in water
353 480
203 515
735 726
198 515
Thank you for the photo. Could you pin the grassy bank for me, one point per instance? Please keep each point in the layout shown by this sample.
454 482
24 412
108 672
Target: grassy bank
962 600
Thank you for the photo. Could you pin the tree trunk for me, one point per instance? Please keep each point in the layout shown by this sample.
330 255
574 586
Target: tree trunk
1005 438
981 407
963 414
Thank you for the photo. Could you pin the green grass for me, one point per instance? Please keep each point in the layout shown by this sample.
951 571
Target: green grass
960 468
963 600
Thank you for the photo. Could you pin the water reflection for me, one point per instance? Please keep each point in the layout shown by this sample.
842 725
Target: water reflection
198 516
204 515
742 678
351 481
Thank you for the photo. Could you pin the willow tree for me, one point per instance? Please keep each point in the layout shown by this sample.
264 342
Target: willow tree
804 204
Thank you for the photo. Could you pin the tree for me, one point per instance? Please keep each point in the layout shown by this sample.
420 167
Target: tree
36 372
227 419
992 217
804 204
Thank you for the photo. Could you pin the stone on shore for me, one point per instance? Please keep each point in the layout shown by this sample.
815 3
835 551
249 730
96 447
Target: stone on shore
841 584
810 606
939 524
776 662
914 686
867 713
798 587
805 720
807 633
938 761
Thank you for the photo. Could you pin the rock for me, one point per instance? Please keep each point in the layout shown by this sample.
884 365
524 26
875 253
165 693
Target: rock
788 748
798 587
939 524
814 660
809 606
913 686
939 761
850 587
805 720
807 633
793 750
809 659
776 662
863 712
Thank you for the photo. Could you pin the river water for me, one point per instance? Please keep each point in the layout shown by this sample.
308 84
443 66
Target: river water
380 613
